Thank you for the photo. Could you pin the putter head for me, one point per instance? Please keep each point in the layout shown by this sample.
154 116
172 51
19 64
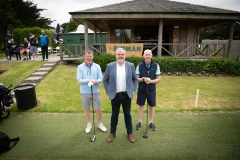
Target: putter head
93 138
145 135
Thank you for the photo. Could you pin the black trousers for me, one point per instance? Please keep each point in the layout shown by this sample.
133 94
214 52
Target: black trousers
8 51
44 51
125 101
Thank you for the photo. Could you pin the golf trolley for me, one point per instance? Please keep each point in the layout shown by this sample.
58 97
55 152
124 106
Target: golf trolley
5 100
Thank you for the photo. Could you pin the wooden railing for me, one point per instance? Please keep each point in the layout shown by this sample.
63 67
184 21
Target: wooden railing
168 49
77 50
189 50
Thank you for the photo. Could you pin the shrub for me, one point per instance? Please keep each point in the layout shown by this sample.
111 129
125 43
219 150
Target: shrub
173 65
103 60
19 34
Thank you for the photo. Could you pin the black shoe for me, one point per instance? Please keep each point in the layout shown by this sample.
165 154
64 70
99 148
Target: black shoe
152 126
24 59
138 126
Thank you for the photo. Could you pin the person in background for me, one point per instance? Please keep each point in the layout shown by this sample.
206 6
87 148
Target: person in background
26 46
44 41
148 73
9 37
89 75
120 82
20 47
33 46
10 48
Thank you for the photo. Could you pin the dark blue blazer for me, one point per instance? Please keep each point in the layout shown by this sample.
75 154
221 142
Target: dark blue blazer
109 79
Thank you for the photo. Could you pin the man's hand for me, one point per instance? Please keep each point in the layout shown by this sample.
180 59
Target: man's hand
90 84
147 80
93 81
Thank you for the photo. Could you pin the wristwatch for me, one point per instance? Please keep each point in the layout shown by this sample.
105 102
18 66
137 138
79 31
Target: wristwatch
143 79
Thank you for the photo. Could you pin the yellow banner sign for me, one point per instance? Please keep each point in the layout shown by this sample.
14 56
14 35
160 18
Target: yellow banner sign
132 49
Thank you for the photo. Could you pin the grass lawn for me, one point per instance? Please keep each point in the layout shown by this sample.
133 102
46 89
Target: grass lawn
47 131
2 55
15 72
179 135
59 92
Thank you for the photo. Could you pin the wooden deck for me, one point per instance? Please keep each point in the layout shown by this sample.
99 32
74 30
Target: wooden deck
66 60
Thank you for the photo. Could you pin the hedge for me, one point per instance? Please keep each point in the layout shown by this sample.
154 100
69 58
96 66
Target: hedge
177 65
20 33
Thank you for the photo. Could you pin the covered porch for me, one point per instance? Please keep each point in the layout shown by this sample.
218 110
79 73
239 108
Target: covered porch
172 33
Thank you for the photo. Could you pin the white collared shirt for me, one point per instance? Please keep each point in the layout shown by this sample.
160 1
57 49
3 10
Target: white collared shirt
121 78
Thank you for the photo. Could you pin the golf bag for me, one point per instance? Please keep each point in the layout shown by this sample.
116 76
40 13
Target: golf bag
5 142
5 100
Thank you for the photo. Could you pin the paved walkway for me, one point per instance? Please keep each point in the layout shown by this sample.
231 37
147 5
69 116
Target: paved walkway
52 57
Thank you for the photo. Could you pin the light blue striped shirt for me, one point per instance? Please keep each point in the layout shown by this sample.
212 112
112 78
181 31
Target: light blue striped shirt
85 73
158 72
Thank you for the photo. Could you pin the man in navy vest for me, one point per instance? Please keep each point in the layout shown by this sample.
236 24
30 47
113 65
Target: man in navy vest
26 46
148 74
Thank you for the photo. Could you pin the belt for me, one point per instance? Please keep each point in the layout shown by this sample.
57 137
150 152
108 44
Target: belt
122 92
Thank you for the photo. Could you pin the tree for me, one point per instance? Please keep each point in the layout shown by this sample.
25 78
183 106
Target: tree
220 32
20 14
64 26
6 18
72 25
236 34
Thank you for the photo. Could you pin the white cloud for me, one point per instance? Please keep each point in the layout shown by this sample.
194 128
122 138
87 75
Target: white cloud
59 10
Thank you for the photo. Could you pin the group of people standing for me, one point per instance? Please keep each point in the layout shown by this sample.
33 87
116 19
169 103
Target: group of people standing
120 82
30 46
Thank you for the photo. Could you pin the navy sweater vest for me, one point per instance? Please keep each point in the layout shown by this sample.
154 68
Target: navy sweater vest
147 72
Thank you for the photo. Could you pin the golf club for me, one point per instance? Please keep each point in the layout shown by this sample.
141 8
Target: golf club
145 135
93 138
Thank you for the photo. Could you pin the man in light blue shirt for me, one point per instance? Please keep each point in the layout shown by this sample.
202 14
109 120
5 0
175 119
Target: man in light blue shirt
44 41
90 74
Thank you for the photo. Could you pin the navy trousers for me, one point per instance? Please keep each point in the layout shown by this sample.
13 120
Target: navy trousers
44 51
125 101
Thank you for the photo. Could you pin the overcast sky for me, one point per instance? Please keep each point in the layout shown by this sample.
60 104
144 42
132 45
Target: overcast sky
58 9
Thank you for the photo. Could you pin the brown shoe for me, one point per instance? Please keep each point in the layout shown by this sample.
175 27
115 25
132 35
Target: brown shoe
131 138
111 137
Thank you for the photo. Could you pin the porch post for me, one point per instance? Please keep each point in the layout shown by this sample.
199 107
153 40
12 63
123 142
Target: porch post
230 39
95 39
61 53
160 31
86 34
100 42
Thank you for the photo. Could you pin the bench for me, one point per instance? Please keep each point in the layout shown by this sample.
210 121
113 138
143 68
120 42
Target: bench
25 53
17 53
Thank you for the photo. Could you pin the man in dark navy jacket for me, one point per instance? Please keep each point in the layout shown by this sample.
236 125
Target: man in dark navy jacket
11 47
148 74
120 83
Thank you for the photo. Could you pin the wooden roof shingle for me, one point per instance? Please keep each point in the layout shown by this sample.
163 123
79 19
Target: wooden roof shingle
156 6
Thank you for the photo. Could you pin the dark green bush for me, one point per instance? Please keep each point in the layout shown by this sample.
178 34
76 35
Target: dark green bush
19 34
103 60
173 65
